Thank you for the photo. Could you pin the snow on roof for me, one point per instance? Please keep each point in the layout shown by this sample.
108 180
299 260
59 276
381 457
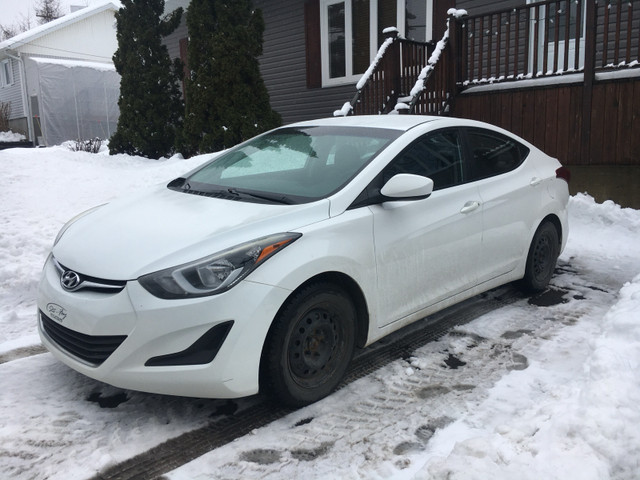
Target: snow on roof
37 32
75 63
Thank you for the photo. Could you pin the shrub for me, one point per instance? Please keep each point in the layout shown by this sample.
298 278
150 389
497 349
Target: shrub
226 98
5 113
90 146
151 108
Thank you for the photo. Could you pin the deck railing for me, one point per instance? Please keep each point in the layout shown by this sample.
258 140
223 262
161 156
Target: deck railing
549 38
389 85
390 77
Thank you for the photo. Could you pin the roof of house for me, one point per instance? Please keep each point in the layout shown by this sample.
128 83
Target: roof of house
41 30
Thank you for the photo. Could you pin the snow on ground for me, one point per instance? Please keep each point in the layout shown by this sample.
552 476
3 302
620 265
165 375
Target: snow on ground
11 137
42 189
533 391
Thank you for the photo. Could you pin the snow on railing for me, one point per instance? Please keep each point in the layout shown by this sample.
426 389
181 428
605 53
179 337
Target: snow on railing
420 84
407 102
366 76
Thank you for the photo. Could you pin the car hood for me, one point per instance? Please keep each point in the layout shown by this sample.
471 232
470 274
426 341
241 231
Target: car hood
164 228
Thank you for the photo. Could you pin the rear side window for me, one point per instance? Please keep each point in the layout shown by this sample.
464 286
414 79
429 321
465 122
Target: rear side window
493 153
437 156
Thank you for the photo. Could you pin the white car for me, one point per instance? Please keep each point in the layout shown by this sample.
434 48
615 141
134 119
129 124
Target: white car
265 268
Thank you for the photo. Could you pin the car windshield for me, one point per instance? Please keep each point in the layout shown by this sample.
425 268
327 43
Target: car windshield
290 165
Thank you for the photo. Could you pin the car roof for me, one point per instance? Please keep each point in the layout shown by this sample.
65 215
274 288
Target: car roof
394 122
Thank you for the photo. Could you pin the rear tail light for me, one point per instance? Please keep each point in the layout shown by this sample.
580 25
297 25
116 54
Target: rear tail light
563 173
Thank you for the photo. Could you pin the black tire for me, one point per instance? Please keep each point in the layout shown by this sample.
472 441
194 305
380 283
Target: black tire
542 258
309 346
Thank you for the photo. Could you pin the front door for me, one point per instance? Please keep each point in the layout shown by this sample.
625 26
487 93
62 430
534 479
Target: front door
427 250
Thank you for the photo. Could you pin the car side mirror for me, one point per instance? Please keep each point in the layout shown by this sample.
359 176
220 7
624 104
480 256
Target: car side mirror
406 186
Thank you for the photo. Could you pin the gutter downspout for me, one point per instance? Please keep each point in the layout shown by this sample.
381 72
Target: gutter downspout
25 95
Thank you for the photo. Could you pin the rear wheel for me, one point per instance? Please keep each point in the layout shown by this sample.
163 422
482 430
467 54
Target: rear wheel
310 345
542 257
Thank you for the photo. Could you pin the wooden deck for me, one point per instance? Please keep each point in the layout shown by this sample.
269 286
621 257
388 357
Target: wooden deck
564 74
594 118
553 118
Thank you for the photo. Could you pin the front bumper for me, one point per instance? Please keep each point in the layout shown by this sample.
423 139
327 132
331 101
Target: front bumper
149 328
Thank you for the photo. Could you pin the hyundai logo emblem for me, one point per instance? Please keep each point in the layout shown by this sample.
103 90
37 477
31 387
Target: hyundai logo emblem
70 280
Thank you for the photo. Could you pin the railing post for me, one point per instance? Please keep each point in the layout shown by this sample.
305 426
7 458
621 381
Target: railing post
589 77
394 71
456 56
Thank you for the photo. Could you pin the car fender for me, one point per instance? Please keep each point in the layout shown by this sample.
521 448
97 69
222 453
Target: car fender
322 249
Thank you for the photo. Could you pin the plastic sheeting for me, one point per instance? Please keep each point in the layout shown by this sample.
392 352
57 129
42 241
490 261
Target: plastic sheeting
72 100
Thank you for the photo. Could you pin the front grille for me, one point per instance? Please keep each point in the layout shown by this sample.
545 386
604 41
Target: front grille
93 284
92 349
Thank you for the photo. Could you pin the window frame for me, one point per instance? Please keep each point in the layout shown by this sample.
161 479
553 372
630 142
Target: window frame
463 157
350 77
471 164
6 72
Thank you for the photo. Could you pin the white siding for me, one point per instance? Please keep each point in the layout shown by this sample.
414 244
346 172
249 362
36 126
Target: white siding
92 39
13 93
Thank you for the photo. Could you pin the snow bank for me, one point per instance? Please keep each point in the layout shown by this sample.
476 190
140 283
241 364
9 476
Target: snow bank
570 411
11 137
558 418
573 413
42 189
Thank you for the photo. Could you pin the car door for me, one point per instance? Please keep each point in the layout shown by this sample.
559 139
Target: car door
510 190
426 250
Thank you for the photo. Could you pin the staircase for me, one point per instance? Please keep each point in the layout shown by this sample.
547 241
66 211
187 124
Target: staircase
408 77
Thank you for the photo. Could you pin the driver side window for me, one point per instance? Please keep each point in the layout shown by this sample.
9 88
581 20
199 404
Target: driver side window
436 155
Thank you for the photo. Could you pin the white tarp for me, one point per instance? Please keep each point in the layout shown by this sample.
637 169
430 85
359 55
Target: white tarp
71 99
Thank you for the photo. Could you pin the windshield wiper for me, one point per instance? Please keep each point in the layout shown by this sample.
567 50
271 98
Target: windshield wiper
276 197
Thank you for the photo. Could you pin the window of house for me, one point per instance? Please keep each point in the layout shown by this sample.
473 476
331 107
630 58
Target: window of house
6 72
437 156
417 20
493 153
566 12
351 33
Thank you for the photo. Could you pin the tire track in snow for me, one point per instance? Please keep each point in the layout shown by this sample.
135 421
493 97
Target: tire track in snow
395 411
186 447
22 352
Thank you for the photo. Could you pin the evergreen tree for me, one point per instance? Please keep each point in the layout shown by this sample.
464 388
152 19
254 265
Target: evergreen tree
226 99
150 103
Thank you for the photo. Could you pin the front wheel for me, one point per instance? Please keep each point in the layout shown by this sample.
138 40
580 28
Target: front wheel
542 257
310 345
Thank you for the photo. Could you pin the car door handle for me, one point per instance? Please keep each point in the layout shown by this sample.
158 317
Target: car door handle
535 181
469 207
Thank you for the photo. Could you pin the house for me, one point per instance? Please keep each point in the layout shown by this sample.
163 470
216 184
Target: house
59 78
574 92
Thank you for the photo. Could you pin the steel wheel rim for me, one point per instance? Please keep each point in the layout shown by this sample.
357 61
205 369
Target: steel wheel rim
542 257
314 347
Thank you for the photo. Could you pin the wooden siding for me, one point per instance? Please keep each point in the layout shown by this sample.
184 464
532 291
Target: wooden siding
284 65
552 118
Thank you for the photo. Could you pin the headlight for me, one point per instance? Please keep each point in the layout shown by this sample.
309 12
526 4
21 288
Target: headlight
216 273
72 221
